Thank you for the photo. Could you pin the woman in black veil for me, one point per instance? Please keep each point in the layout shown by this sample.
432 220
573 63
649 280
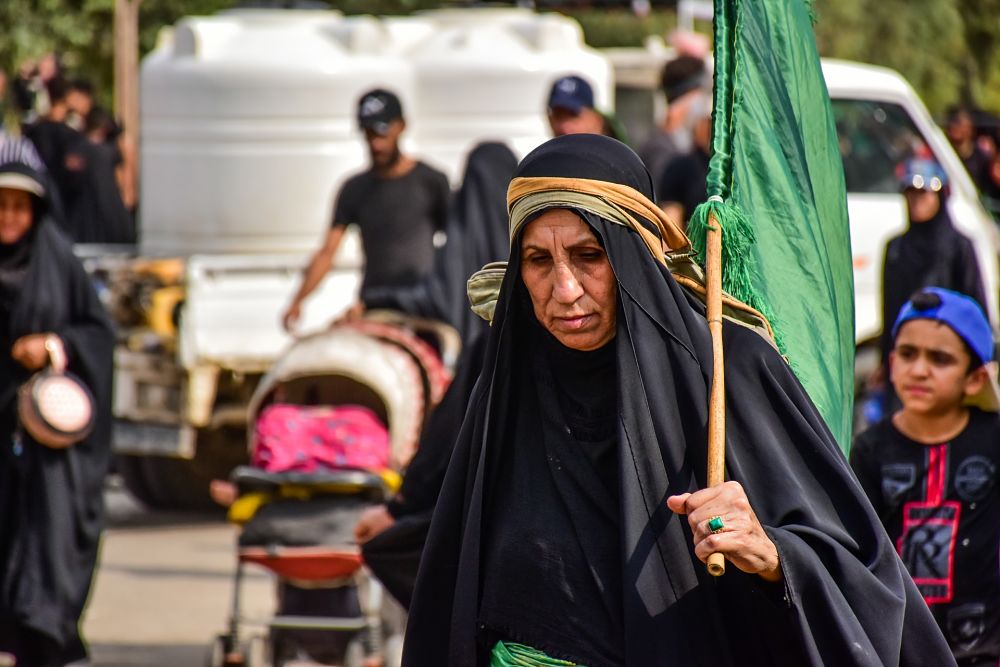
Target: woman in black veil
51 503
571 529
392 535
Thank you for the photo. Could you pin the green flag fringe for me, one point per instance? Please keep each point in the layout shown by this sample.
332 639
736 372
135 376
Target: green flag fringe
738 239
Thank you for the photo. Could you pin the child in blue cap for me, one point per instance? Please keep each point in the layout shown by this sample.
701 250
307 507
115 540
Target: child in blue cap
930 469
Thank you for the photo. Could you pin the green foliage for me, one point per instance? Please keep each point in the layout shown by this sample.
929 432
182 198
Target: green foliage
949 50
154 15
605 28
79 29
922 39
82 31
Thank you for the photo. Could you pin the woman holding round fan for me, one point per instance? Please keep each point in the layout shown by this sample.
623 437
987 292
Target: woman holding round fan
55 416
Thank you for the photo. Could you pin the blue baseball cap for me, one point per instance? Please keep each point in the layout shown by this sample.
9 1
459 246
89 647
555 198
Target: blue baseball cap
965 317
922 174
572 93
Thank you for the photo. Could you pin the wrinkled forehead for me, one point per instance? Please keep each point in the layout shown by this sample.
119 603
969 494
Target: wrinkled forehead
555 228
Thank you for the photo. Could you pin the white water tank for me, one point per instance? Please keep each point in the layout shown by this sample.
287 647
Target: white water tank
485 73
248 127
248 117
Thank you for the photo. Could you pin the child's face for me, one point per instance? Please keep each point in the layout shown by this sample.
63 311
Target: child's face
929 366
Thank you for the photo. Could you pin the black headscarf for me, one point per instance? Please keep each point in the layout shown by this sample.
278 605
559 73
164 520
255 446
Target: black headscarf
846 600
477 235
51 504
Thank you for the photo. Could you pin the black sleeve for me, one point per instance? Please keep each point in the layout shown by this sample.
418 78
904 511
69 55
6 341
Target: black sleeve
345 206
442 200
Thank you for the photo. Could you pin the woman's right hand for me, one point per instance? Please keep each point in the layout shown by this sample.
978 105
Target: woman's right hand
30 351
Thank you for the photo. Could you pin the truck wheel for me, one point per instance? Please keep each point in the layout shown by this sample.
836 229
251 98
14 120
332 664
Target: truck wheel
166 483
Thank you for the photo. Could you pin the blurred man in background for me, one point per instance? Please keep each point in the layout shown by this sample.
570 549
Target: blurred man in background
961 130
682 186
571 110
682 80
398 203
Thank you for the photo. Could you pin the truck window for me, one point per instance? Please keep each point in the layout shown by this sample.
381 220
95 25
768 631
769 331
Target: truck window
875 138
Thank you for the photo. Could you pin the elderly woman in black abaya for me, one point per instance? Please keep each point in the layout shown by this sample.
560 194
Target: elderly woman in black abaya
573 524
51 508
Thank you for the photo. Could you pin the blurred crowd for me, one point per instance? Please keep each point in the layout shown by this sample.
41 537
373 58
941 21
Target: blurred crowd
975 136
90 164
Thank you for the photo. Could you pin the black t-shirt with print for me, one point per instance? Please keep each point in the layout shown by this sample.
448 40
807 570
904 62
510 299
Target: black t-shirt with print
940 505
397 218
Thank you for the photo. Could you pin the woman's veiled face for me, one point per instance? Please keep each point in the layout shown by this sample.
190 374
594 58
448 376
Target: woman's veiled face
569 278
16 215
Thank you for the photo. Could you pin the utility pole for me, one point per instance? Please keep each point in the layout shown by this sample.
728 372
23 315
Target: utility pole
126 29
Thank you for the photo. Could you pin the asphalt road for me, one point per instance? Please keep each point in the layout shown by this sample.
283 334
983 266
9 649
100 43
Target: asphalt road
163 587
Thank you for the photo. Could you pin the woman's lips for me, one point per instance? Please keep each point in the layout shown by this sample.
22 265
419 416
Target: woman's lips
577 322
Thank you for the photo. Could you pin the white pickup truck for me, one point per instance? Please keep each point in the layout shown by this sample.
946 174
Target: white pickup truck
881 123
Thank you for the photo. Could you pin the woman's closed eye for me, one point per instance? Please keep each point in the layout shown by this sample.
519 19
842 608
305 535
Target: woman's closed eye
590 254
538 259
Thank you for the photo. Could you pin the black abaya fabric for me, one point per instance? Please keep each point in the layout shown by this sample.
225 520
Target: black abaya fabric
51 505
476 233
555 512
97 213
847 600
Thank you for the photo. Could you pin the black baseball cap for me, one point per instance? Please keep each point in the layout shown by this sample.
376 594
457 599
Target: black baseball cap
572 93
377 109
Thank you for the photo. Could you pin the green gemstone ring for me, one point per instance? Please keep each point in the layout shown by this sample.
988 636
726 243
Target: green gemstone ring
715 524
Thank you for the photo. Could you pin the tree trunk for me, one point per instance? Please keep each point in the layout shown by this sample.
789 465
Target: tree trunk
126 28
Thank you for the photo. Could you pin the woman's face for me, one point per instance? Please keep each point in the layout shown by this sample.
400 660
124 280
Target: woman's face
922 204
16 215
573 289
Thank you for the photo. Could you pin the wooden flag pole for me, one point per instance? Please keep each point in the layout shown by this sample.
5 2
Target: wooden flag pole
717 398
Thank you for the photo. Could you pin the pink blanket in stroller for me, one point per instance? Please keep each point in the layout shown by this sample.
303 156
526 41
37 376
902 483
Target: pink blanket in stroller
306 439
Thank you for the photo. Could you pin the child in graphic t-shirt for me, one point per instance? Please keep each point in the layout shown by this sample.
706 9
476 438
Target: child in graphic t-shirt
930 469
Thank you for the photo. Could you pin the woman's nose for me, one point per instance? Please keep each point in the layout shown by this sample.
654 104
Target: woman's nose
567 289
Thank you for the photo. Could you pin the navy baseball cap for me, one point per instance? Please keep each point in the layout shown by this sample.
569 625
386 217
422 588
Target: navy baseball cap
378 109
572 93
965 317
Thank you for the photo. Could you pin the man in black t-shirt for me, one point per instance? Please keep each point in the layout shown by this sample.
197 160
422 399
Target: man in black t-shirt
398 203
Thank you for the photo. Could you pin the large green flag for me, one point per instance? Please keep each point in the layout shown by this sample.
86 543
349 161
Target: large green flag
776 167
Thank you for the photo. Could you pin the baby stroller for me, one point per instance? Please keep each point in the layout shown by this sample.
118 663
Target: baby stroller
332 424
